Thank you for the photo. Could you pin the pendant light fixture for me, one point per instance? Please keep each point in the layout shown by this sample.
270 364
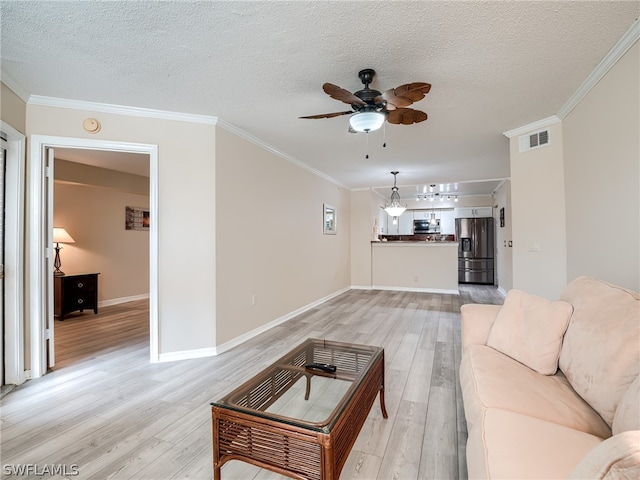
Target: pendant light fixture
394 208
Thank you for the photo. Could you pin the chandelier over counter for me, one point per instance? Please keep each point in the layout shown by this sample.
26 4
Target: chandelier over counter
394 208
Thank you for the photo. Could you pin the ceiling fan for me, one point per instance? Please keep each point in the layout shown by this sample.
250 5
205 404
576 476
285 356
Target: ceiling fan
370 108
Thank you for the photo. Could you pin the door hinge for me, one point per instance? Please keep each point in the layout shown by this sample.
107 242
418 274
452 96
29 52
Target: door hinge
47 334
47 171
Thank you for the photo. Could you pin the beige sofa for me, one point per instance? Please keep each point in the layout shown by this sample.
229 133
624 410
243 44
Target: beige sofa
528 419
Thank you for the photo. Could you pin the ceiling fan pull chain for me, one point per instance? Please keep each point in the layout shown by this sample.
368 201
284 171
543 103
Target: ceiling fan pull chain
384 135
367 155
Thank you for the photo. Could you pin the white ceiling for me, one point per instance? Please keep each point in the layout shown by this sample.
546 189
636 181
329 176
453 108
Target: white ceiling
493 66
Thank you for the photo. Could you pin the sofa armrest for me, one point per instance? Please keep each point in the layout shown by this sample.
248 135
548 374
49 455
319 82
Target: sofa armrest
477 320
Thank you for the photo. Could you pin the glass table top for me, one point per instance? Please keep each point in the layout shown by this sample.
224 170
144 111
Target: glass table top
287 391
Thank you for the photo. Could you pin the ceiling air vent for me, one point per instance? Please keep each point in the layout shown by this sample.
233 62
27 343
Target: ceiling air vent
534 140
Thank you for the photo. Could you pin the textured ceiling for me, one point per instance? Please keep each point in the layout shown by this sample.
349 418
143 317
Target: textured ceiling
493 66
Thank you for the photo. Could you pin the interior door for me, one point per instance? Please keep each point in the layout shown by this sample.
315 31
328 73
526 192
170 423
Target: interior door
49 320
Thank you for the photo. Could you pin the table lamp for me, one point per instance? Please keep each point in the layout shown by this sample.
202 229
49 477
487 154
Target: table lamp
60 235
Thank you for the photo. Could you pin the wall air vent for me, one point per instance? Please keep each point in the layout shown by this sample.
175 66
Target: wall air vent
534 140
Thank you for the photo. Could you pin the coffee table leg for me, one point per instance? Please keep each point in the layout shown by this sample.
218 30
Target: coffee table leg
382 405
308 391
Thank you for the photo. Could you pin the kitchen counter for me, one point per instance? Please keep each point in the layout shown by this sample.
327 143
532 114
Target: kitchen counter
413 242
415 266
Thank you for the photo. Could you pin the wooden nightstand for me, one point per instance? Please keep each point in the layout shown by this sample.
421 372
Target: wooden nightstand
75 292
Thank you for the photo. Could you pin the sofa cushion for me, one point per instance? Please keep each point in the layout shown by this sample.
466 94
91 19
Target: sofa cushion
600 355
490 379
627 415
617 457
530 329
510 445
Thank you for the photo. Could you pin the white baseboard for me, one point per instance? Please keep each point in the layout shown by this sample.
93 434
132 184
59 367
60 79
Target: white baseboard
213 351
187 354
257 331
116 301
419 290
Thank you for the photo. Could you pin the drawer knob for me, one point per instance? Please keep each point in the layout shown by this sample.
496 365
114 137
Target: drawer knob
80 285
80 301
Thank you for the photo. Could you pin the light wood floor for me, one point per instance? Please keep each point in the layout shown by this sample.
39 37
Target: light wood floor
114 415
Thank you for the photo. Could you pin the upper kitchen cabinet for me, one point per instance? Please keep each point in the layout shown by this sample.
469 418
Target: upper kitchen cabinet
473 212
404 225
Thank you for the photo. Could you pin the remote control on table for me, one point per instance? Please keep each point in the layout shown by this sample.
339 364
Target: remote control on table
323 367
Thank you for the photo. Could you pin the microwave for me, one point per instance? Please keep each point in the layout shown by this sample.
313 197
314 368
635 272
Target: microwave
423 226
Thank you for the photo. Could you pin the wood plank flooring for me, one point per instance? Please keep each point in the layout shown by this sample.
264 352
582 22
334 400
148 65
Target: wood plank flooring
108 411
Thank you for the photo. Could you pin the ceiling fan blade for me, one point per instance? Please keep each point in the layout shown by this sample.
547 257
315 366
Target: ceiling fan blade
406 116
328 115
405 95
341 94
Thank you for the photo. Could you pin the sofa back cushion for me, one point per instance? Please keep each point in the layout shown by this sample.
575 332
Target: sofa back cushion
600 355
529 329
627 415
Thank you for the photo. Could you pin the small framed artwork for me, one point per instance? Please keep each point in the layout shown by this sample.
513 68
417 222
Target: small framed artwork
502 217
329 220
136 218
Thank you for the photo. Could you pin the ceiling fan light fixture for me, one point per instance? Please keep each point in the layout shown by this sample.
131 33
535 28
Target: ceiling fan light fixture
366 121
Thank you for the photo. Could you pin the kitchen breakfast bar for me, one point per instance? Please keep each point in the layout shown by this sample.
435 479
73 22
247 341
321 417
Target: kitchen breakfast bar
415 266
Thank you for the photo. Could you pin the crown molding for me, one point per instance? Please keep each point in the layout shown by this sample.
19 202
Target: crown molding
120 109
538 125
630 37
256 141
167 115
14 86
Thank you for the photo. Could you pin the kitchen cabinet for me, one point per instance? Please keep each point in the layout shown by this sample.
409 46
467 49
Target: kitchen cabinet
383 222
447 222
473 212
404 225
422 214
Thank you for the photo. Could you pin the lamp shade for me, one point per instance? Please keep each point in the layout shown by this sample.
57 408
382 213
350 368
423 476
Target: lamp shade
366 121
60 235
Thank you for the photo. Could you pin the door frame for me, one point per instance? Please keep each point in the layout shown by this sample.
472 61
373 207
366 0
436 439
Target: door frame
14 372
39 278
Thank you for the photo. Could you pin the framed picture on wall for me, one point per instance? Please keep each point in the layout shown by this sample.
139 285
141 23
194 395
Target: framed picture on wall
502 217
136 218
329 219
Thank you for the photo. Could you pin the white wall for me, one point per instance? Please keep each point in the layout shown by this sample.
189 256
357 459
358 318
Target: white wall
94 217
186 180
504 252
272 256
538 217
602 171
364 216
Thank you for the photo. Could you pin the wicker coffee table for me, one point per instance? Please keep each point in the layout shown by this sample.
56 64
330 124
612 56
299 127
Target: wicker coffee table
296 420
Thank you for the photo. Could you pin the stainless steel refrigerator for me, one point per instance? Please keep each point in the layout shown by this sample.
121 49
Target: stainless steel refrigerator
475 250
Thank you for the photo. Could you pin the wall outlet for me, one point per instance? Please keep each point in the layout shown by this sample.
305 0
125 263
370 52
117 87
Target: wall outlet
534 246
415 278
254 300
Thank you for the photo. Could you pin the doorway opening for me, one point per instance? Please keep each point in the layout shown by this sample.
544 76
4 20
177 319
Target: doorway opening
101 277
41 219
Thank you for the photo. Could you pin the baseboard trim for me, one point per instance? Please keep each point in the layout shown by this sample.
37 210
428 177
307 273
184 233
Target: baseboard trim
419 290
187 354
117 301
257 331
213 351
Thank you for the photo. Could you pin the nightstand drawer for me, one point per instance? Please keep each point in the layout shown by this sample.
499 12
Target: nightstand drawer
75 292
